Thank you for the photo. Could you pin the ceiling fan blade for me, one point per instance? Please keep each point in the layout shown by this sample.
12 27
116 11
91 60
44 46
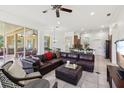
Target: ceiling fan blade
55 6
45 11
57 13
66 10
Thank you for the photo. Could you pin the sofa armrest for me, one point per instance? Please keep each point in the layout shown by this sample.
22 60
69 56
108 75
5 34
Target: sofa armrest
30 67
55 85
28 78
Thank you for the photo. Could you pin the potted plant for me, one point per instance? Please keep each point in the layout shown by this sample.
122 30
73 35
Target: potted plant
1 42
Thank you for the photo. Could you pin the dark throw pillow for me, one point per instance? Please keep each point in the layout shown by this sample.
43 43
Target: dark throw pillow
48 55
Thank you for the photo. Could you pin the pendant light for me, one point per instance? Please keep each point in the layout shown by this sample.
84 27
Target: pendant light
34 34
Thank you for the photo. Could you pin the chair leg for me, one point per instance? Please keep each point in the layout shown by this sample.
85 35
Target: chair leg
55 85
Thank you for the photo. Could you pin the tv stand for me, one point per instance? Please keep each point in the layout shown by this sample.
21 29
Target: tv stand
120 74
116 75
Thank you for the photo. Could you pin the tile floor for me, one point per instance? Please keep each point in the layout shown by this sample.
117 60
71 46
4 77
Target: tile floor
88 80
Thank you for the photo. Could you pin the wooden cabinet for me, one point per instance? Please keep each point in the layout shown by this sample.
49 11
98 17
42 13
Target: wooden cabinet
112 76
107 49
77 42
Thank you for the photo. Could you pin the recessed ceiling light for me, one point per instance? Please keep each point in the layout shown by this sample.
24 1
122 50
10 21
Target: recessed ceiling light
92 13
58 22
109 14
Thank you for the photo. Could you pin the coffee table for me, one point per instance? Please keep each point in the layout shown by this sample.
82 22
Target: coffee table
69 75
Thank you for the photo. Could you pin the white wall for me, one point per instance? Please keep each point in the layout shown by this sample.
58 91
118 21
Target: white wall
60 40
97 41
114 38
117 34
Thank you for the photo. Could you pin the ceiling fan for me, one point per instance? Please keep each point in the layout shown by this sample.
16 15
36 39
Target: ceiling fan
57 9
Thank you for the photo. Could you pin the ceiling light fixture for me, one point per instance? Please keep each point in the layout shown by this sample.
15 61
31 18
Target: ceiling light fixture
58 22
92 13
109 14
34 34
20 35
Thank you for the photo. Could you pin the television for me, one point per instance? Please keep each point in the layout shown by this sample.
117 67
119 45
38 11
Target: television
120 57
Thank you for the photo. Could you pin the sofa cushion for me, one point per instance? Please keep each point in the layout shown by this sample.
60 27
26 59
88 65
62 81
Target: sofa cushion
85 63
37 61
46 64
24 82
30 60
65 60
58 54
35 58
33 74
55 60
41 57
68 59
63 55
16 70
73 56
86 57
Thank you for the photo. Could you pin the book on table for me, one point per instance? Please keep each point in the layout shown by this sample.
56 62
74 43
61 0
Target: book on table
71 66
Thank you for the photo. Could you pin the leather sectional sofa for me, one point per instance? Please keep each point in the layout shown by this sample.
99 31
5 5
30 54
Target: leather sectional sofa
84 60
42 64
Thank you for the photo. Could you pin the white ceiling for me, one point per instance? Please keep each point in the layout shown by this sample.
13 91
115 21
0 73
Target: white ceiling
7 27
79 18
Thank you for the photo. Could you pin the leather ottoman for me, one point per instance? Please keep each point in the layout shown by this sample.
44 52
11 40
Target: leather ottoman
69 75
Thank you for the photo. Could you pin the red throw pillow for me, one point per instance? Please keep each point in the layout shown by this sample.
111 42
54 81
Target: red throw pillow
48 55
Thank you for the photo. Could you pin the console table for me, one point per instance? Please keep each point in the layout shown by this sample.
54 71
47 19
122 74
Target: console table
112 75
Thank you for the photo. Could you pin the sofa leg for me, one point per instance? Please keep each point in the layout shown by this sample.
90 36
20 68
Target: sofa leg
55 85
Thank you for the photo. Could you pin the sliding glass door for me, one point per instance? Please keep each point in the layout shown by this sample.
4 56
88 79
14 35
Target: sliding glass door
19 46
2 49
17 41
10 35
31 43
